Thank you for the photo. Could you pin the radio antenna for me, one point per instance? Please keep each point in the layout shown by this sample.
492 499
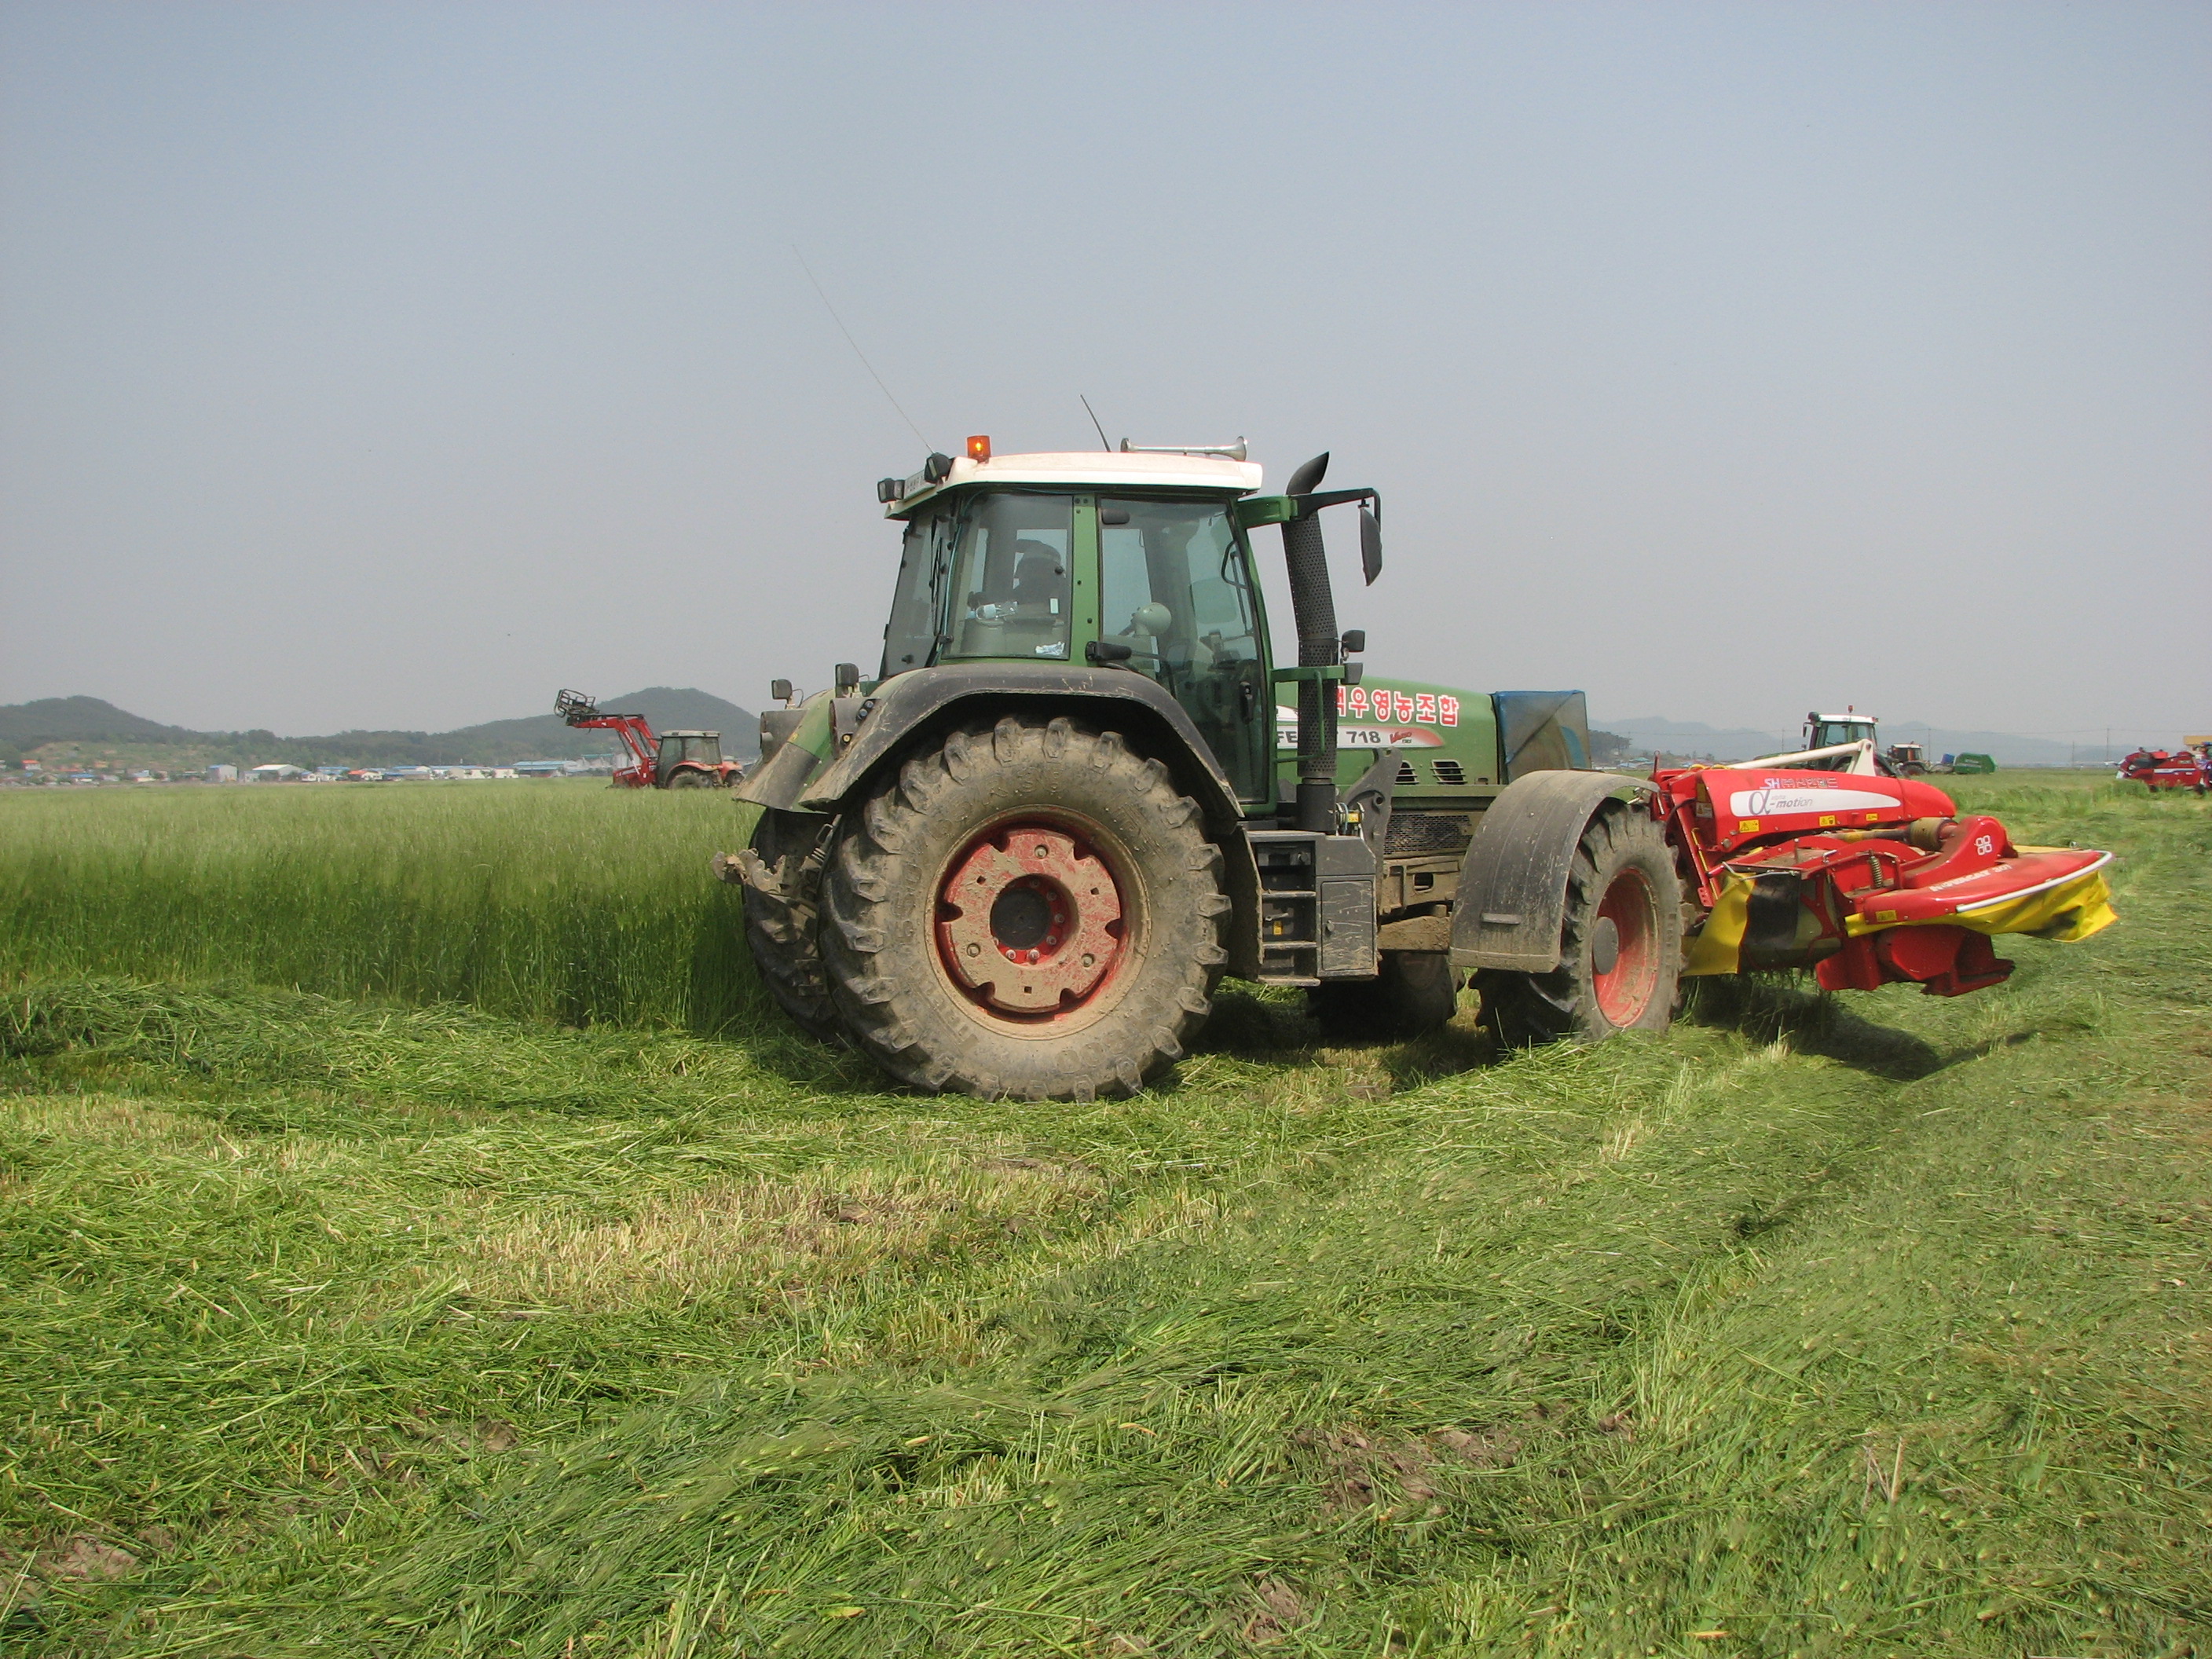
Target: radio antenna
1093 414
857 352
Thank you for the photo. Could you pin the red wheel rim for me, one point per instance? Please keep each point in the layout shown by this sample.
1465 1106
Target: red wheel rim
1029 921
1624 990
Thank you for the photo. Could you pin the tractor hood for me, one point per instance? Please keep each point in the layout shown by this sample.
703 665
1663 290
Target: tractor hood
1452 742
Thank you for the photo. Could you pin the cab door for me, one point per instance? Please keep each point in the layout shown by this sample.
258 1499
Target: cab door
1175 586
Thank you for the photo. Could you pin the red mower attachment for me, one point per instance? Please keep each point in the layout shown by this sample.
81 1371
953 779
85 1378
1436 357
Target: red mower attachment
1866 879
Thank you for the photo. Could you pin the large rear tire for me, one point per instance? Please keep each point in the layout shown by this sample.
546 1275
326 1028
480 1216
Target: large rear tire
780 918
1417 991
1027 911
1620 949
691 777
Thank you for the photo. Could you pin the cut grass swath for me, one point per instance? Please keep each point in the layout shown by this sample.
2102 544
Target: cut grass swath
396 1326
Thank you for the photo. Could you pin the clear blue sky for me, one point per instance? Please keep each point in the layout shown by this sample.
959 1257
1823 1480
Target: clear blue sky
395 365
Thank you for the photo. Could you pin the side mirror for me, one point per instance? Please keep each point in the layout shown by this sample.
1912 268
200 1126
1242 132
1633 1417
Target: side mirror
1370 544
781 691
848 678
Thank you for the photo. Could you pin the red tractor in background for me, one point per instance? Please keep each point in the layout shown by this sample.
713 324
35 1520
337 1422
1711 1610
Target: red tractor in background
674 760
2158 768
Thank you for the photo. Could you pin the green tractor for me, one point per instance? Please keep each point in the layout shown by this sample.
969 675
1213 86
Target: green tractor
1017 859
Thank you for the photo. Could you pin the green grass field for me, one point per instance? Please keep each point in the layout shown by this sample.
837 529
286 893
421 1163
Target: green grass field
416 1239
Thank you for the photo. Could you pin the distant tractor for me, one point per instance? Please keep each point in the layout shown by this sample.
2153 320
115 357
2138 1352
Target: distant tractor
2161 768
673 760
1851 742
1018 860
1907 760
1833 730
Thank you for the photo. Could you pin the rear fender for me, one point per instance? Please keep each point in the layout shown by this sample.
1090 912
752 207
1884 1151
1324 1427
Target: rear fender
922 705
1512 901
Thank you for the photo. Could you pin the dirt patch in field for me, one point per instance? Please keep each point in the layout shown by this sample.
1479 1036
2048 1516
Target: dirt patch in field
1281 1611
81 1557
1366 1470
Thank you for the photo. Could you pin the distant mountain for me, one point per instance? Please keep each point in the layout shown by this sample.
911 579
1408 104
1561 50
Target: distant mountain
85 719
1694 737
27 726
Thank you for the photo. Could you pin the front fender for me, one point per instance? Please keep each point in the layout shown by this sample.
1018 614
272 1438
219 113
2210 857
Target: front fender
912 701
792 754
927 702
1512 901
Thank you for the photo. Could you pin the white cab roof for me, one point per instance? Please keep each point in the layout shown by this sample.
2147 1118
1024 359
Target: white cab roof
1102 469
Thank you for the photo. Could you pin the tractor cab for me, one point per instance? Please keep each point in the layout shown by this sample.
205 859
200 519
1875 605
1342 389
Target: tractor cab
1833 730
1839 743
1134 559
677 749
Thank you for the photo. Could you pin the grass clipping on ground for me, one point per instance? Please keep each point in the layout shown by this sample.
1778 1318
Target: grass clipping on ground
1869 1324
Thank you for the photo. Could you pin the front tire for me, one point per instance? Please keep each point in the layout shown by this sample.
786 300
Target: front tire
1620 949
780 917
1027 911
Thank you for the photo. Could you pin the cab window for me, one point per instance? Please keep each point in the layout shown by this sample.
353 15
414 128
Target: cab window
910 636
1011 595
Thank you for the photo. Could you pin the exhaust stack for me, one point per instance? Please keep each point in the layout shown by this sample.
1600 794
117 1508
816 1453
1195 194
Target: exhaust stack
1313 607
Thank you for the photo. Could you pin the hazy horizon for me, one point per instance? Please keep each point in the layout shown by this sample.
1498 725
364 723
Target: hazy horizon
1675 731
392 366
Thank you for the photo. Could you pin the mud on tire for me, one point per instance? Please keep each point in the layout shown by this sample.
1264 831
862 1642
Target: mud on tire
780 917
1029 910
1620 949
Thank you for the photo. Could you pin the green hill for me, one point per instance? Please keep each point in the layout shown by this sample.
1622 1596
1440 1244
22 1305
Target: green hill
51 720
92 732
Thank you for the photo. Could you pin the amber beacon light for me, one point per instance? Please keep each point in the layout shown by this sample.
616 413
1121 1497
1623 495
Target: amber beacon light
979 448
